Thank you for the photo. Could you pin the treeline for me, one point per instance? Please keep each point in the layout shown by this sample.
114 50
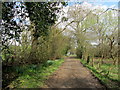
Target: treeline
28 33
48 48
29 36
95 31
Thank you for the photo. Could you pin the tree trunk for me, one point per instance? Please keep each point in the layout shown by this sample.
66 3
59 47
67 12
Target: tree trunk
111 48
32 57
88 59
92 61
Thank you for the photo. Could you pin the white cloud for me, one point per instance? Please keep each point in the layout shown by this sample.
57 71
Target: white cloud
112 6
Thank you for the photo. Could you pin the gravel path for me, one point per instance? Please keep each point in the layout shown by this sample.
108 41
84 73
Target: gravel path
72 74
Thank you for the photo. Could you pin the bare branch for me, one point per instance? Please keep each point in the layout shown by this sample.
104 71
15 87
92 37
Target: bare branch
74 21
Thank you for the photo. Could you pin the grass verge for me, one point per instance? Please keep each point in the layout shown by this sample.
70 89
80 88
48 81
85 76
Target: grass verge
109 82
33 76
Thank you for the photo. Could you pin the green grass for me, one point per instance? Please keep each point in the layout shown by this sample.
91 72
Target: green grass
33 76
111 80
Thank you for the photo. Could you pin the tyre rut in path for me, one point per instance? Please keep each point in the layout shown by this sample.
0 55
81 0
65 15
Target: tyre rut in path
72 74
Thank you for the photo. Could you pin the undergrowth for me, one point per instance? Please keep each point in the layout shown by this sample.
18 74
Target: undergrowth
33 76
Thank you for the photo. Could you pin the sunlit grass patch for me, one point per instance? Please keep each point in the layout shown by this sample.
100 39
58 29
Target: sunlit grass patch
33 76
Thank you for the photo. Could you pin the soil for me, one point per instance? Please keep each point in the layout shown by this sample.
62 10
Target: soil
72 74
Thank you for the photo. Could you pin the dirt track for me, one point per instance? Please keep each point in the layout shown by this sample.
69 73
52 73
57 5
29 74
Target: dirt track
72 74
